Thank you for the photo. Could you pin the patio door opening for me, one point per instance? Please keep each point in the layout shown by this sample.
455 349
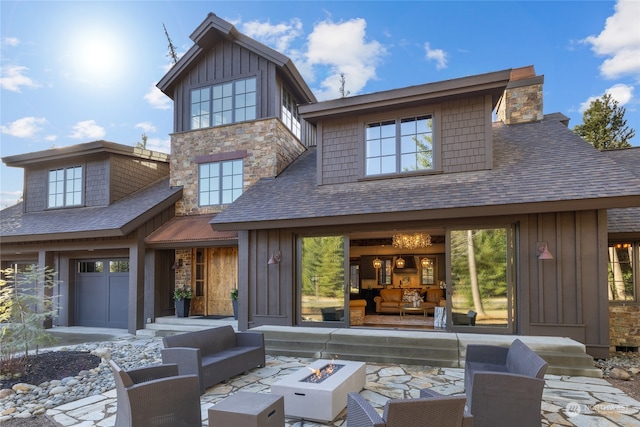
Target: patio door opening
480 290
322 279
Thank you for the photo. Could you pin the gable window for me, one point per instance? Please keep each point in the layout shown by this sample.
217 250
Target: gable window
223 104
290 116
65 187
220 183
399 146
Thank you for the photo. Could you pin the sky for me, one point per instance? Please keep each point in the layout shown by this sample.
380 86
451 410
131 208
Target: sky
79 71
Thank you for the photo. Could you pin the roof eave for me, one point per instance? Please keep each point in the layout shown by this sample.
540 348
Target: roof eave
490 83
434 214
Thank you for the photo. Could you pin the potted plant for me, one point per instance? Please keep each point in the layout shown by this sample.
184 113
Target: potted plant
183 297
234 302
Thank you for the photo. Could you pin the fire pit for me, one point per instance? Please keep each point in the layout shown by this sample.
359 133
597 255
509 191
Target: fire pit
319 392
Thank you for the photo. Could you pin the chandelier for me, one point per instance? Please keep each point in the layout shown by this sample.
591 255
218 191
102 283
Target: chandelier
411 241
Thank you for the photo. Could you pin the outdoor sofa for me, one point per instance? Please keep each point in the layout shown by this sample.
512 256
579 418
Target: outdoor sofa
215 354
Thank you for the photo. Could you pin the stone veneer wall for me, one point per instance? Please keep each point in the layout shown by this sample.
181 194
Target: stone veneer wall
270 147
183 275
624 325
521 102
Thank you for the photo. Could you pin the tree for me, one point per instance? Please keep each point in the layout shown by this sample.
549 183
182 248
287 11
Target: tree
173 55
142 144
604 125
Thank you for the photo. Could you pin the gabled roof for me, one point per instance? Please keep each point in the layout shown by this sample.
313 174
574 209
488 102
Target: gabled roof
83 150
625 220
538 167
210 30
492 84
115 220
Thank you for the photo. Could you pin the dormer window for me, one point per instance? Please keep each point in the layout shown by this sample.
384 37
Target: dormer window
399 146
65 187
224 103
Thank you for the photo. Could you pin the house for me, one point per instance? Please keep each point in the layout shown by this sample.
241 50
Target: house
85 212
463 189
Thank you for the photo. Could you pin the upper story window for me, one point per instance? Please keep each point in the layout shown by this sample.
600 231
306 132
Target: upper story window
65 187
224 103
290 115
623 273
399 146
220 183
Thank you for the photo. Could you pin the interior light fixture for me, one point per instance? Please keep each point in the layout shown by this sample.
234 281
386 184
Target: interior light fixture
411 241
276 258
377 263
543 251
400 262
425 262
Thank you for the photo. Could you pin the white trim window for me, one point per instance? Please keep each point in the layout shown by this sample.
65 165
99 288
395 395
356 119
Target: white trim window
225 103
399 146
220 183
65 187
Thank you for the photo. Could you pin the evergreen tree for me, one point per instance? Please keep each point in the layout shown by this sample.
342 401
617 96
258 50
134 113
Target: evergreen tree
604 125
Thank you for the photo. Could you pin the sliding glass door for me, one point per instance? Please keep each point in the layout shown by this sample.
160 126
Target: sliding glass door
322 279
480 289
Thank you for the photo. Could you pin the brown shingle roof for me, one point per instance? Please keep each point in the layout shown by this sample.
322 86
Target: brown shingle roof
538 167
117 219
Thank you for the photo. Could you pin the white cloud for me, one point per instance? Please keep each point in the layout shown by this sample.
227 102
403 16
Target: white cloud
619 41
279 36
157 99
88 129
25 127
620 92
12 78
343 49
437 55
9 198
146 127
11 41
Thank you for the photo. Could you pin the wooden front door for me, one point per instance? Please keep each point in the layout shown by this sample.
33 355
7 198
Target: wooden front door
214 276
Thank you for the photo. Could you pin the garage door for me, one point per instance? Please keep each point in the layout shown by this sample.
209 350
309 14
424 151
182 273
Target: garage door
102 289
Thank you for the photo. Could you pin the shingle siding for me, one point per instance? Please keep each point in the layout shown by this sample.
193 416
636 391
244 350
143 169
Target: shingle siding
340 146
96 181
35 195
128 175
463 135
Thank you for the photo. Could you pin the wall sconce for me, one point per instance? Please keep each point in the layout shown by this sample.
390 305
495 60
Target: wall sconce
543 251
400 262
622 245
425 262
177 264
377 263
276 257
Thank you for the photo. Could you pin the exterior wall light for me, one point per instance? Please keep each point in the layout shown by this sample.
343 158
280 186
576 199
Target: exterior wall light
276 258
543 251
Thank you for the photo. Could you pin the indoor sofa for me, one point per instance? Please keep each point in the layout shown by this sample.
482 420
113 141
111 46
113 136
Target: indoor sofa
391 299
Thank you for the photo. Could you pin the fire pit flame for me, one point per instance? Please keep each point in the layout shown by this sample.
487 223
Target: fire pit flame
322 374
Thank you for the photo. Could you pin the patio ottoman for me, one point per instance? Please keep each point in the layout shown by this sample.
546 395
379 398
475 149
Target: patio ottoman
248 410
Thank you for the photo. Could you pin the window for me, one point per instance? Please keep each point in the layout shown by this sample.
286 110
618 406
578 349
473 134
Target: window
399 146
622 259
290 115
220 182
222 104
65 187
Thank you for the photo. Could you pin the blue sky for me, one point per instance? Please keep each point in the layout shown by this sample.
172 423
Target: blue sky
80 71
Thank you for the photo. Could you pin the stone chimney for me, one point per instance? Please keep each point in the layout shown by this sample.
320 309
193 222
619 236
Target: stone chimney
521 101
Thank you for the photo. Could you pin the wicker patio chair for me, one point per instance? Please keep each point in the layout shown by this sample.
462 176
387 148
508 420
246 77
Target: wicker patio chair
156 397
504 385
442 411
